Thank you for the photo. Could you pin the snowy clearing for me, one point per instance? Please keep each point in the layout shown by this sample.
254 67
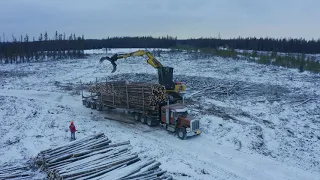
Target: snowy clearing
267 128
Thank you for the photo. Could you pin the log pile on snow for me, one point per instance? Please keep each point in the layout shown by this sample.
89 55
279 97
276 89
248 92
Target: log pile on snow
95 157
15 172
134 95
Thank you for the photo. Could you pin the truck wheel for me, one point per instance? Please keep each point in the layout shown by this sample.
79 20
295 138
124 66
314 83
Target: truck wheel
155 122
99 107
93 105
143 120
84 102
182 134
87 104
149 122
137 116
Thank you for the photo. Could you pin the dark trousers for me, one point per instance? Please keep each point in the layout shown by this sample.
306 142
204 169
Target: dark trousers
73 135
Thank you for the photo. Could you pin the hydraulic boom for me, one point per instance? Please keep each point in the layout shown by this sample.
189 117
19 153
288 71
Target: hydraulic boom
165 74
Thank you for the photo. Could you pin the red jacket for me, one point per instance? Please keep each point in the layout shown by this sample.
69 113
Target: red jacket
72 128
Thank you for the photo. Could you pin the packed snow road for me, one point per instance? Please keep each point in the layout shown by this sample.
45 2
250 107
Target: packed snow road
240 140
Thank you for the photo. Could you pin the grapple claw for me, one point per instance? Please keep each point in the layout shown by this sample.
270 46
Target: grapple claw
114 66
112 62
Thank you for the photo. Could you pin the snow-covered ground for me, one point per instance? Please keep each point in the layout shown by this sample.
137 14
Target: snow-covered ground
267 128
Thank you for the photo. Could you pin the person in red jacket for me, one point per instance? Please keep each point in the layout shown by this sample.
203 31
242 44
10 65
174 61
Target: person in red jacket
73 130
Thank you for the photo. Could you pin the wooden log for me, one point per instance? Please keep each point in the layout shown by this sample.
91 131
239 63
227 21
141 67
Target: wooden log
94 157
74 143
72 149
95 162
57 157
78 146
103 150
133 99
134 86
119 166
84 163
9 176
66 175
141 169
126 171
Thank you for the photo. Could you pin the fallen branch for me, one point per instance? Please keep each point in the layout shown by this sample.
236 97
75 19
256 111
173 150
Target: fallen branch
310 99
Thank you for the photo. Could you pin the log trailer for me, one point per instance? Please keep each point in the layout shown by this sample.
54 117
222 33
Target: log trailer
165 73
135 100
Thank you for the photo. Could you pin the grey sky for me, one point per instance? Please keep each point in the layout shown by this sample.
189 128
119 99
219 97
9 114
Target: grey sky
181 18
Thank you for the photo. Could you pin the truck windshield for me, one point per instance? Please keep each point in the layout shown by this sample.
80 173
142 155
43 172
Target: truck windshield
182 114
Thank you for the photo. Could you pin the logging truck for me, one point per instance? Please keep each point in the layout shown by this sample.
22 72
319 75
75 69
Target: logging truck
146 103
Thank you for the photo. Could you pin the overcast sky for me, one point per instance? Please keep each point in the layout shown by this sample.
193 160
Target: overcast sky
181 18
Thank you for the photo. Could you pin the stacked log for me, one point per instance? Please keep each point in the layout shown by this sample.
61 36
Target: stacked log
16 172
95 157
134 95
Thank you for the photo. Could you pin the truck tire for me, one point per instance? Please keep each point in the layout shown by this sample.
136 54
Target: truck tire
182 134
87 104
84 102
143 119
150 122
156 122
137 116
99 107
93 105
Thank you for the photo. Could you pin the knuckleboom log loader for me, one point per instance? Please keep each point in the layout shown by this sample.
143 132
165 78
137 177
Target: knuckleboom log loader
147 103
134 98
165 74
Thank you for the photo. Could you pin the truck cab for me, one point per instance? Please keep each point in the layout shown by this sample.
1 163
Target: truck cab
176 118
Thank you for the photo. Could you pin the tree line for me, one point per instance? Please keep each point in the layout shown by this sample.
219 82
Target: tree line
301 61
285 45
24 49
131 42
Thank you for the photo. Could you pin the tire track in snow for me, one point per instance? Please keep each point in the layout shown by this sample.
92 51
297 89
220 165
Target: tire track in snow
226 163
192 154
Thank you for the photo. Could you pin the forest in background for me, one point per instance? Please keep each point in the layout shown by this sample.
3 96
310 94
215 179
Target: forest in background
25 49
61 46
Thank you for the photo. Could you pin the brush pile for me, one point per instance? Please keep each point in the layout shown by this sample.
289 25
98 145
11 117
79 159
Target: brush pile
95 157
134 95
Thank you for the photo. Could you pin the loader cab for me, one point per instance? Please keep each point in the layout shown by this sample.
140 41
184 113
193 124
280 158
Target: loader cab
166 77
175 89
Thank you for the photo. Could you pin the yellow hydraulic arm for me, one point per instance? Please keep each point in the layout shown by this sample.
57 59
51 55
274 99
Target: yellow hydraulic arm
151 59
165 73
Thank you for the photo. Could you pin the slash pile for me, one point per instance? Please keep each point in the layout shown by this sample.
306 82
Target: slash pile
134 95
95 157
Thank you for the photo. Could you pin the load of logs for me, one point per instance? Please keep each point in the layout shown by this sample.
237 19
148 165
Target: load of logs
134 95
95 157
